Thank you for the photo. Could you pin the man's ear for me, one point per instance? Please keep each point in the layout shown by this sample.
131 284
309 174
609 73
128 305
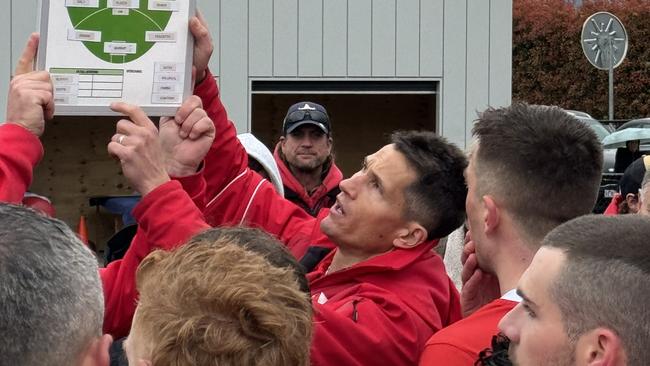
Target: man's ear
97 353
600 347
632 202
411 236
491 216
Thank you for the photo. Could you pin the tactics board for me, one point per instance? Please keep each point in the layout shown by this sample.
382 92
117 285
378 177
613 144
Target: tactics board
102 51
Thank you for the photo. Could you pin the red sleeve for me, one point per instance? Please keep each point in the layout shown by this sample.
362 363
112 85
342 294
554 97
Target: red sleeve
227 158
446 354
20 151
167 217
235 195
612 208
367 329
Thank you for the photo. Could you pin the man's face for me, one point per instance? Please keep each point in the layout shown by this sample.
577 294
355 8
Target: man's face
306 148
535 326
369 210
137 352
475 210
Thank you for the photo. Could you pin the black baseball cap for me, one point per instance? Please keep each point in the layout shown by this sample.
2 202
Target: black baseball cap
304 113
633 176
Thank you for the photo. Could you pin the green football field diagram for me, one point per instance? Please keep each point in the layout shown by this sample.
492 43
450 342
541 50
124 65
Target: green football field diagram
129 28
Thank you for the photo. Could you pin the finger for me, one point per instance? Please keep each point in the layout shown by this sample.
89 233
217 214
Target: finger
193 76
26 60
126 127
48 107
185 110
42 76
201 18
205 127
117 150
190 121
470 266
473 282
135 113
119 138
29 84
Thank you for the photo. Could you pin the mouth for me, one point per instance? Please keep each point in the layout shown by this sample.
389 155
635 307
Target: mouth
338 209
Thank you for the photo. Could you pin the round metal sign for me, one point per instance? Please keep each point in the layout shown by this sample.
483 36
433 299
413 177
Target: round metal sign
604 40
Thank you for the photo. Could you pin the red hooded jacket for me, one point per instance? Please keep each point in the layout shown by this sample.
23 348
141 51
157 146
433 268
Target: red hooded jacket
380 311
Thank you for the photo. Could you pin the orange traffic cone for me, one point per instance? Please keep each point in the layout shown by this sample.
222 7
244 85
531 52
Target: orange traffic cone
82 230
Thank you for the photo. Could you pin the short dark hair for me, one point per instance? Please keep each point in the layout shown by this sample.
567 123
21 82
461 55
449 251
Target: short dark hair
436 199
605 279
259 242
542 163
51 299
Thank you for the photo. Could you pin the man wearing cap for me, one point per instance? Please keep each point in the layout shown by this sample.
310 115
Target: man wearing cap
627 200
304 156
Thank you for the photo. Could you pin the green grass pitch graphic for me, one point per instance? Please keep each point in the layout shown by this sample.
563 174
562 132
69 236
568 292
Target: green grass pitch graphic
129 28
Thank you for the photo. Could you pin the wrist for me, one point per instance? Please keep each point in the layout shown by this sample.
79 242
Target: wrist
150 185
177 170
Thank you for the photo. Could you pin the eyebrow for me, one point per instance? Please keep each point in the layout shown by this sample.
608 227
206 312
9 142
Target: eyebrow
521 294
372 174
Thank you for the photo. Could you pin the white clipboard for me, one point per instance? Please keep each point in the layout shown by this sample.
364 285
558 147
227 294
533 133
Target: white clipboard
103 51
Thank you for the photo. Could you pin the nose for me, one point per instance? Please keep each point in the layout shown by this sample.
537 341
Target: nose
349 186
510 324
306 141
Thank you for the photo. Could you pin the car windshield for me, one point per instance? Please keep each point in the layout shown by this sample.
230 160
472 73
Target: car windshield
598 128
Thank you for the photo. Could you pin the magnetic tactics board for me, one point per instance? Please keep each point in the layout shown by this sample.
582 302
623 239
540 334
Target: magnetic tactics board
102 51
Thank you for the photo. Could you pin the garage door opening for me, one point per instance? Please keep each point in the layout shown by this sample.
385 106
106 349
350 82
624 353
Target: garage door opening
363 115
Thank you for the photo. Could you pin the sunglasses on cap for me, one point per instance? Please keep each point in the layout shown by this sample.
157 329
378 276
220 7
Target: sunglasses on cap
299 116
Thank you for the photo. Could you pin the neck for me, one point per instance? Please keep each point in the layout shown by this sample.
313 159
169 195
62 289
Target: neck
343 259
513 258
308 179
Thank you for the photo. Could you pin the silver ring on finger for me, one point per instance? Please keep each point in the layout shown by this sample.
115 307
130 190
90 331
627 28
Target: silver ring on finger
120 139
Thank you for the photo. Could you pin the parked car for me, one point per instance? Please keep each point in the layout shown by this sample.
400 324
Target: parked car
609 182
635 123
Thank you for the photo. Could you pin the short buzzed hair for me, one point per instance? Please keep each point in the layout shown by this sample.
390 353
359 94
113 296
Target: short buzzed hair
436 199
543 164
51 299
217 303
605 279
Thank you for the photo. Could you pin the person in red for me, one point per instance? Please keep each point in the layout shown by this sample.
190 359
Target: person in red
531 169
29 104
378 290
304 157
627 200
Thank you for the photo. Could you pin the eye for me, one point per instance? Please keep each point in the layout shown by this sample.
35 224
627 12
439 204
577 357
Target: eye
529 311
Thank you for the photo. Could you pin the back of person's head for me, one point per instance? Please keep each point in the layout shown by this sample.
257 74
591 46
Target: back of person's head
218 303
51 300
644 195
630 184
436 200
605 279
539 162
260 242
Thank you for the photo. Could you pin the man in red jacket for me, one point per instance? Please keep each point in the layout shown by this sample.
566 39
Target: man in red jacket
532 168
378 290
304 157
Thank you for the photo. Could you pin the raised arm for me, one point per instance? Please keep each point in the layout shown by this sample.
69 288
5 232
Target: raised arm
29 104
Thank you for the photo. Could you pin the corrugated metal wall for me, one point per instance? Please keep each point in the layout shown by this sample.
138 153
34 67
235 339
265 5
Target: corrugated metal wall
464 44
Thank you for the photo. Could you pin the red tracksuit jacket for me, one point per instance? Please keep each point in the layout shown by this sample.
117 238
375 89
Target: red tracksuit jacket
20 151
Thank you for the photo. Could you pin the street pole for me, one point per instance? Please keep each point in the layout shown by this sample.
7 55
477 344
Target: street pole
610 56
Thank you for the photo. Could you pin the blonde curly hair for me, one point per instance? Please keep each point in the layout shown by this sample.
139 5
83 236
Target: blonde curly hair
217 303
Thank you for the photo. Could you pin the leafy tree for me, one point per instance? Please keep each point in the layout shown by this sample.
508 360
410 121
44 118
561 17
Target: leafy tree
549 66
